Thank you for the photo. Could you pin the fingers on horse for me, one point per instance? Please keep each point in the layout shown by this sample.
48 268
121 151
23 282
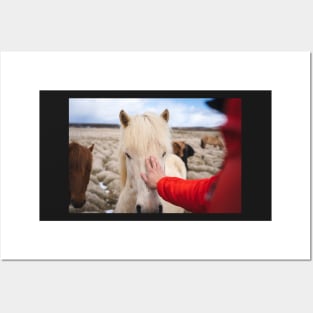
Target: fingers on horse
148 164
144 177
158 165
153 162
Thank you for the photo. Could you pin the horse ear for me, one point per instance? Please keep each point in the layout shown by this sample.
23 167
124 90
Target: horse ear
124 118
91 147
166 115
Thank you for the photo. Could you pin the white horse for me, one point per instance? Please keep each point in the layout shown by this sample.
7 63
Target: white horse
143 136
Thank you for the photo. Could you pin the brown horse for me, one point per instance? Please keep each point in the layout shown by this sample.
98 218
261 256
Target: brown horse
211 140
183 150
80 162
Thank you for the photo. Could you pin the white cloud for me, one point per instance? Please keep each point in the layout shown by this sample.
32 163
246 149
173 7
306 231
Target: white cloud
102 110
183 113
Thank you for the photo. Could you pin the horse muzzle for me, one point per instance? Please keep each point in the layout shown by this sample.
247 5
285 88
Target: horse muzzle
78 204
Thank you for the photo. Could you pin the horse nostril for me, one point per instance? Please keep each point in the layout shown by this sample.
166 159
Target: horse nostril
160 208
138 208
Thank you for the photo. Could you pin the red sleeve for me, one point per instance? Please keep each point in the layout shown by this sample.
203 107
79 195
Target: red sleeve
206 195
188 194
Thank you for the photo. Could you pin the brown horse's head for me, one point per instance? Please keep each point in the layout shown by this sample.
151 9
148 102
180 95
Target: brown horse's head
80 162
178 148
183 150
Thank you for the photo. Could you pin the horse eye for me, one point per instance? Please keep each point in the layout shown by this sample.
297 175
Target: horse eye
127 155
163 155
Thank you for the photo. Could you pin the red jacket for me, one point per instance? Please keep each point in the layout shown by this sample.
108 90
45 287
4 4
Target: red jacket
220 193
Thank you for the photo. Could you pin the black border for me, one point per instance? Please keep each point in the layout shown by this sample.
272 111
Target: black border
256 151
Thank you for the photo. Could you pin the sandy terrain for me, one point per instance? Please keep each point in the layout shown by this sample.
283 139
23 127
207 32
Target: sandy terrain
104 186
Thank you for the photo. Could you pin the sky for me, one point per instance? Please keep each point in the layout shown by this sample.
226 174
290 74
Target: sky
184 112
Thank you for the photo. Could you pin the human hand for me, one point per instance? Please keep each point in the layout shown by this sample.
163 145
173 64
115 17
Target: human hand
154 172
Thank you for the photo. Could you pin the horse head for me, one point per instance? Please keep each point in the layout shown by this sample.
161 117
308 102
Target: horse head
80 162
183 150
143 136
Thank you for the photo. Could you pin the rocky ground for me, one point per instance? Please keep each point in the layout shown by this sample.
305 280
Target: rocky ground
104 185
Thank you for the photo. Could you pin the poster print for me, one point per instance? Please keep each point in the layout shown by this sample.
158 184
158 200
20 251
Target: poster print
274 89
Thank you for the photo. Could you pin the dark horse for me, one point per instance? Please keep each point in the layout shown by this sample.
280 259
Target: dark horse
80 162
183 150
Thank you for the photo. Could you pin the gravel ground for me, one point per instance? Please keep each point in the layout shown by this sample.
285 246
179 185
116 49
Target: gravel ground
104 185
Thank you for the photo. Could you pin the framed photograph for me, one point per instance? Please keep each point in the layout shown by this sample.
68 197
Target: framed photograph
84 134
189 144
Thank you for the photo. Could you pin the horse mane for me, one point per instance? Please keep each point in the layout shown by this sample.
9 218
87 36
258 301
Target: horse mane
144 134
